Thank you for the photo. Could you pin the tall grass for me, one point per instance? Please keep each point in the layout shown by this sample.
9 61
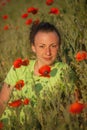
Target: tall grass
14 43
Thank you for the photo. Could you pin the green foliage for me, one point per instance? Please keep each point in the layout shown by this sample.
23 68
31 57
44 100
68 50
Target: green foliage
50 113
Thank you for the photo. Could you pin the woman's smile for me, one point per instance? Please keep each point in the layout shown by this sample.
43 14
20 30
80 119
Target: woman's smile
46 47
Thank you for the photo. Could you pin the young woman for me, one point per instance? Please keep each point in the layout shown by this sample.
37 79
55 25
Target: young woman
27 80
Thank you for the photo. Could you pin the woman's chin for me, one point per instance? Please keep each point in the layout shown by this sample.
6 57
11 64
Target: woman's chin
49 62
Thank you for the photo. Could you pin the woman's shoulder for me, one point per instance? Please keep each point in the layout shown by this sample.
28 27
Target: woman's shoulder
22 68
66 70
60 65
25 66
19 71
31 62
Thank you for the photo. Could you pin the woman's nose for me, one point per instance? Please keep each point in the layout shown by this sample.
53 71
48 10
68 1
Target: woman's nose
48 51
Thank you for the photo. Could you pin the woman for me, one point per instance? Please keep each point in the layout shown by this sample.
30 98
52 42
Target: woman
29 80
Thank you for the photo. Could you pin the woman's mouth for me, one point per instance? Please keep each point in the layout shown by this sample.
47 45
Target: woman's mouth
48 58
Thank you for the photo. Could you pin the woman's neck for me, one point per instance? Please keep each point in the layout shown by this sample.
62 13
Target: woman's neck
38 65
36 68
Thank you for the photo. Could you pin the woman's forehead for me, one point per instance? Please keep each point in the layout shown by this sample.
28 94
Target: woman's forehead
46 35
45 38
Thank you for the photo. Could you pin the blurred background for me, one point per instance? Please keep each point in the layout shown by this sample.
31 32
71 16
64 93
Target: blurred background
69 16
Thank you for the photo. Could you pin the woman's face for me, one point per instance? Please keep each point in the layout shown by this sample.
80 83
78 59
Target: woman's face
46 45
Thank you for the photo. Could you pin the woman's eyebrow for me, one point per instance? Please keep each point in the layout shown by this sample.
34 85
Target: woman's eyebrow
42 44
49 44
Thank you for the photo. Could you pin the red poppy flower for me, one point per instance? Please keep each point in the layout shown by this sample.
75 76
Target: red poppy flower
25 62
6 27
19 85
1 125
45 71
32 10
76 108
49 2
5 17
54 11
26 101
81 55
28 22
16 103
17 63
3 3
24 15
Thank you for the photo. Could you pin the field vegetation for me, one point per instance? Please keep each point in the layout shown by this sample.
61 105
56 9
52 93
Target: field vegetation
70 17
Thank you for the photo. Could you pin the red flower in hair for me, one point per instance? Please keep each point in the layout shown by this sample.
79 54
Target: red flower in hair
19 85
28 22
49 2
26 101
32 10
5 17
76 108
25 62
1 125
24 15
81 55
6 27
45 71
54 11
15 103
17 63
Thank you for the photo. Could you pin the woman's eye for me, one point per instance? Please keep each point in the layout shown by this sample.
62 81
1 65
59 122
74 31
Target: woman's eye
41 46
54 46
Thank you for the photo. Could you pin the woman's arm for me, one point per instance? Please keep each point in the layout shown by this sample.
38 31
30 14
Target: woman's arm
4 96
